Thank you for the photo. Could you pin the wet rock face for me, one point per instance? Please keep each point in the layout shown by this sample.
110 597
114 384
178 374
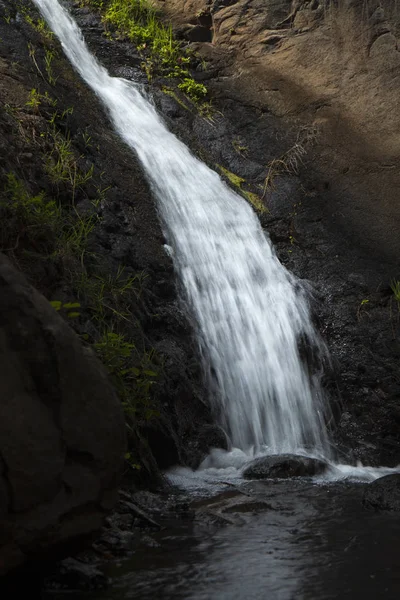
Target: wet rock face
62 432
283 466
383 494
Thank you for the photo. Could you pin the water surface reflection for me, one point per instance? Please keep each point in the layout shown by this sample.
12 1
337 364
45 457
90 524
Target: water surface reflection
311 542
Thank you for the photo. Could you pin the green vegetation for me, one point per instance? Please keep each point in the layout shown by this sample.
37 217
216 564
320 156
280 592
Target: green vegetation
239 147
61 164
38 225
26 221
395 287
237 182
108 298
69 307
34 100
195 91
132 373
50 235
39 25
35 228
170 92
361 310
140 22
48 60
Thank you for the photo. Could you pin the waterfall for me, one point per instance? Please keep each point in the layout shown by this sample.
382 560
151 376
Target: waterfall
251 314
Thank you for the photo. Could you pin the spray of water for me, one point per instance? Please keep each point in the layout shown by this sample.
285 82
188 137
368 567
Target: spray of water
250 313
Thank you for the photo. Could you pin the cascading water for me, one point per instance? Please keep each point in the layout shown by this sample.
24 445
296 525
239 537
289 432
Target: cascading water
249 314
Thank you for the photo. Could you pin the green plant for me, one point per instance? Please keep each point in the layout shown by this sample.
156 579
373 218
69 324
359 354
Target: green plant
73 239
61 163
27 221
40 26
361 310
139 21
195 91
34 100
67 306
48 61
32 56
207 111
133 374
170 92
395 287
239 147
109 297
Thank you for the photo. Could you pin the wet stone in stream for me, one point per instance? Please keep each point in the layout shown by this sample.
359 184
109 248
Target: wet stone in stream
283 466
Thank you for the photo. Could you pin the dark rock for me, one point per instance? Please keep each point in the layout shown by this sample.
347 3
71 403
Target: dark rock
209 437
197 33
62 431
283 466
73 574
117 542
383 494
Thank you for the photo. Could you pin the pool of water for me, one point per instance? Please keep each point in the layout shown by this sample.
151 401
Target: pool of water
283 540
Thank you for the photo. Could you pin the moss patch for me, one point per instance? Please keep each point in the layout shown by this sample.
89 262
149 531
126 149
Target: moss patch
237 182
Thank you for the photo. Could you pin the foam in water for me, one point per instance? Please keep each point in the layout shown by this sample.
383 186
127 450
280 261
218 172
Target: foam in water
250 312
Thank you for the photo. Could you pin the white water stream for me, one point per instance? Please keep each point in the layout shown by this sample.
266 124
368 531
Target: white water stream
250 312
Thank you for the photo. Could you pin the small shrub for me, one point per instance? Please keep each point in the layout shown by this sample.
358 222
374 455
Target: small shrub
195 91
26 221
108 298
133 374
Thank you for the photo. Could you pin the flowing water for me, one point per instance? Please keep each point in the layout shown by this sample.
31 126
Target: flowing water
250 313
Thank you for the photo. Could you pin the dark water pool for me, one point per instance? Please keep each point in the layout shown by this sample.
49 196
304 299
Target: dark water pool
285 541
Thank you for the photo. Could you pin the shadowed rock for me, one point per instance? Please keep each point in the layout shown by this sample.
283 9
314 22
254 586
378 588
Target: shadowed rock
283 466
383 494
62 432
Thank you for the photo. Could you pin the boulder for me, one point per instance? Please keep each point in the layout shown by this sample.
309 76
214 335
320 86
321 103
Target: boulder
62 432
283 466
383 493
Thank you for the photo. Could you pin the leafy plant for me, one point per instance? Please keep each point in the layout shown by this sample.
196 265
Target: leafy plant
70 307
139 21
133 374
34 100
195 91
